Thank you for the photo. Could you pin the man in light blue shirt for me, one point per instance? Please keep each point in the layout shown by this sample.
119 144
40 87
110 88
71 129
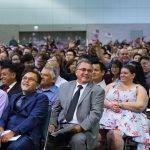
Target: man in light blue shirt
47 86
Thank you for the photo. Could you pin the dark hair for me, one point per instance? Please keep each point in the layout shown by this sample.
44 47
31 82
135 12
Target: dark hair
35 72
145 58
136 55
107 54
130 67
132 70
27 57
14 68
117 63
139 74
43 57
34 49
101 65
7 64
16 54
72 50
69 63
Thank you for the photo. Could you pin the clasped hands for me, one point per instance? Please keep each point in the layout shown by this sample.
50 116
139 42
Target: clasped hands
6 137
115 107
76 129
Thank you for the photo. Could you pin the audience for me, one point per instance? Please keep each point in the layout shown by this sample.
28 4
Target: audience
57 66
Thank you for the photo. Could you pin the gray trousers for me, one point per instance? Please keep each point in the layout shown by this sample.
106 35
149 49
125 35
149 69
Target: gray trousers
75 141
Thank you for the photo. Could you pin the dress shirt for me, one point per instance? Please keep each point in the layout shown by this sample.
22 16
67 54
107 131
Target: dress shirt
51 93
60 81
3 101
75 120
11 86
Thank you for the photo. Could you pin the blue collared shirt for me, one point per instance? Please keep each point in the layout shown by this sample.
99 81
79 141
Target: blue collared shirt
51 93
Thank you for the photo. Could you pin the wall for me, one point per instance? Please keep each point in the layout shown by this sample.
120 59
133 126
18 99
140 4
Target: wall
74 11
115 19
107 32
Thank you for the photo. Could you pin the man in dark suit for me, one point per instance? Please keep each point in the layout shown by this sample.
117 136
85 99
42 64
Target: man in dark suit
9 81
87 110
24 116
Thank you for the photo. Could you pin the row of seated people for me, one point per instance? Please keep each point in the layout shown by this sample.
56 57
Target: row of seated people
91 108
123 114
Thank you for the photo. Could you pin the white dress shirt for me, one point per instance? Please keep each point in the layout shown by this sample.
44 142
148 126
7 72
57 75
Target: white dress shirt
75 120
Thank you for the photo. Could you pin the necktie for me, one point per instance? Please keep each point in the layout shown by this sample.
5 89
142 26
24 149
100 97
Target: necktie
73 104
5 88
19 102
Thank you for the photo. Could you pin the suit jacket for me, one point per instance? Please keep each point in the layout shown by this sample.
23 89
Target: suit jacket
28 120
89 110
15 89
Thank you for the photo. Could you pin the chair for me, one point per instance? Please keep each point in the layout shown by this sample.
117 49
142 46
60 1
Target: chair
129 144
45 131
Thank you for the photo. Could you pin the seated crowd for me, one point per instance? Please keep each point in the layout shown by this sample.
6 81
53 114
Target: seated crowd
94 93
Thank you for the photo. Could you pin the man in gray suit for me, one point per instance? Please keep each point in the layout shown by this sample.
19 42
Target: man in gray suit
86 114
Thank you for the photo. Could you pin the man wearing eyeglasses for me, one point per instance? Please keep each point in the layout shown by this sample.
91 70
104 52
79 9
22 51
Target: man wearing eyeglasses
77 111
24 116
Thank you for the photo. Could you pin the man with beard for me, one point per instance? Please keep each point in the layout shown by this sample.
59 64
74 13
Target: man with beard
24 116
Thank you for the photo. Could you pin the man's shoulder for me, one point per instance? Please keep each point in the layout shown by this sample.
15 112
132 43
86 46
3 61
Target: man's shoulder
37 95
68 84
96 87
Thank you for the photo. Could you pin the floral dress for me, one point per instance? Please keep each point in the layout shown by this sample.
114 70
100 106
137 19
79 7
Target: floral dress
130 123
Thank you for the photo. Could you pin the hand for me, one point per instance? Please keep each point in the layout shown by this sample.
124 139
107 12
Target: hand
1 129
76 129
51 128
115 106
5 138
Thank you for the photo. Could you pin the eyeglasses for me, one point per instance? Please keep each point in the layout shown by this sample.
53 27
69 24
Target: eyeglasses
84 70
69 54
30 79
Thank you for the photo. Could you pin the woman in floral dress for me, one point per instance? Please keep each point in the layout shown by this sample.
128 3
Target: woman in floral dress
124 103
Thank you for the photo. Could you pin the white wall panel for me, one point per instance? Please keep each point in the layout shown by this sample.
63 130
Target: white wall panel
143 3
77 15
128 15
143 15
77 4
112 15
62 4
63 11
94 4
94 14
25 4
61 15
128 3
